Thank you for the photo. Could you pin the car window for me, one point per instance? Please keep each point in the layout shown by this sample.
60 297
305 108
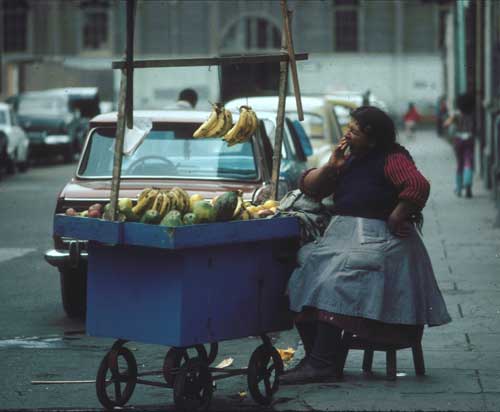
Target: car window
271 133
314 124
48 106
171 152
3 117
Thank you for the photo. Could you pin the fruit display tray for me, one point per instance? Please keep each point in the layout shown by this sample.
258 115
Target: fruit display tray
186 285
140 234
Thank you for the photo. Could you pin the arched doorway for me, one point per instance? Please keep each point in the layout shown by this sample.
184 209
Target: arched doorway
250 35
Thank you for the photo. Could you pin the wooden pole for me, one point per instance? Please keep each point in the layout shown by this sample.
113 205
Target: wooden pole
280 118
125 111
287 18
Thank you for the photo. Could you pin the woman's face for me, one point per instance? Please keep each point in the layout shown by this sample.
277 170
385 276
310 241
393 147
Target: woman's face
357 140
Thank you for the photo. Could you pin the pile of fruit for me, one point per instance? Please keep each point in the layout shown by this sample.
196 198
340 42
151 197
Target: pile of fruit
220 123
176 208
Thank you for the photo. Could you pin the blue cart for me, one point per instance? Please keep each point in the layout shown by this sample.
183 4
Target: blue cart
186 287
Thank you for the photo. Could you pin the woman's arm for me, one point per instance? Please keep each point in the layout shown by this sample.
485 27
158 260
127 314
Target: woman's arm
413 191
320 182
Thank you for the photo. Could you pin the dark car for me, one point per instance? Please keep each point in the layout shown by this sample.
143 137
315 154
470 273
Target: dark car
52 122
168 157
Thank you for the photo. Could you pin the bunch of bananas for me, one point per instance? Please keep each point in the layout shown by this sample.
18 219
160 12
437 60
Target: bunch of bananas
244 128
161 201
217 124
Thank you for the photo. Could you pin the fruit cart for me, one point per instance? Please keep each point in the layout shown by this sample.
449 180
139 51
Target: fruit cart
184 287
187 286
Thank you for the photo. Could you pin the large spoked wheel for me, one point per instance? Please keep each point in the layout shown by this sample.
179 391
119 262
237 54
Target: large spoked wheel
193 386
264 369
116 378
176 358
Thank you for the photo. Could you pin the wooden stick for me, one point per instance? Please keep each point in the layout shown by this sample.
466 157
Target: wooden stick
60 382
123 112
280 119
287 14
209 61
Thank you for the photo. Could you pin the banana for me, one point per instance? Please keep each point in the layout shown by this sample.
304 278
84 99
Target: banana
239 207
229 122
143 194
243 133
209 123
165 206
233 134
147 200
219 125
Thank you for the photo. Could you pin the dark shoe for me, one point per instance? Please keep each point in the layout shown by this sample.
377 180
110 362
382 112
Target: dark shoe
468 192
306 373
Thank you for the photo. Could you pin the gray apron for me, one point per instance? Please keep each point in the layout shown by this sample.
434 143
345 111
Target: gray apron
358 268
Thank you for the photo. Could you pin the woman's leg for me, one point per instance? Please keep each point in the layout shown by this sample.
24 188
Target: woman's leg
320 364
307 332
459 154
468 162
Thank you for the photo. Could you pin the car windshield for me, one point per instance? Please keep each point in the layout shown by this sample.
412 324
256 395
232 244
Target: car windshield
48 106
170 152
3 117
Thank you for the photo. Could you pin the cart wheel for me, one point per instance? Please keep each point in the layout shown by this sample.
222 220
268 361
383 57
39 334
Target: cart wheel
116 378
264 368
176 358
193 386
214 350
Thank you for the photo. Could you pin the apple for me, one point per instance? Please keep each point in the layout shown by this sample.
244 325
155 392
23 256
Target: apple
71 212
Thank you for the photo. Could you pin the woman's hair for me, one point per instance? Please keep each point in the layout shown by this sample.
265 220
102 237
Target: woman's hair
377 125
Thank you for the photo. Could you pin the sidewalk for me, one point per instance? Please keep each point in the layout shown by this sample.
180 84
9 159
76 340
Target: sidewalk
462 358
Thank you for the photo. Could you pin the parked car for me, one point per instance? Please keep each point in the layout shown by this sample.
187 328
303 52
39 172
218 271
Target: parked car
3 154
52 122
167 157
320 121
17 149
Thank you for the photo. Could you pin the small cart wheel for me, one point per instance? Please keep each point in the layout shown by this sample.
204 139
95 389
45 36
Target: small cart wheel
212 354
116 378
193 386
264 368
176 358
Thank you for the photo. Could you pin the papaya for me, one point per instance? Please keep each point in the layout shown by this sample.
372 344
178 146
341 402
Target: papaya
204 212
189 219
225 206
172 218
151 217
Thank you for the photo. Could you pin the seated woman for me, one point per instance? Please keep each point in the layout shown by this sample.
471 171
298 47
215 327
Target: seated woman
370 273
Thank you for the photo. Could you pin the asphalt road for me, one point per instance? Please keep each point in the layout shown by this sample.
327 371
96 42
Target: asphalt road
39 343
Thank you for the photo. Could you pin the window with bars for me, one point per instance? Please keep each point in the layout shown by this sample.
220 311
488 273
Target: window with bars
95 27
252 33
15 25
346 25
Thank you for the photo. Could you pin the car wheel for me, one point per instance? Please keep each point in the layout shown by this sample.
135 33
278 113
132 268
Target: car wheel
12 164
74 292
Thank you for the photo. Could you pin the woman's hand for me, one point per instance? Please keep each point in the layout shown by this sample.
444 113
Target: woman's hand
399 226
337 159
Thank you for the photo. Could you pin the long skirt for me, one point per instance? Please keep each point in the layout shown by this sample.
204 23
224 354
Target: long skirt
359 270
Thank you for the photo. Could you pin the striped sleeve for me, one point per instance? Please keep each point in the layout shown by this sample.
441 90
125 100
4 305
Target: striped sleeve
409 182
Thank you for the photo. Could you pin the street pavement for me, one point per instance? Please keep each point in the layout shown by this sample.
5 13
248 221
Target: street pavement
462 358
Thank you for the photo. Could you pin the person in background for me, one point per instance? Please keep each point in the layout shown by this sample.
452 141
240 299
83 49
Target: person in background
187 99
441 115
369 274
411 118
461 127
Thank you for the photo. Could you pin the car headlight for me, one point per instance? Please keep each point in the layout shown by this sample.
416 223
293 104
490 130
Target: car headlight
57 139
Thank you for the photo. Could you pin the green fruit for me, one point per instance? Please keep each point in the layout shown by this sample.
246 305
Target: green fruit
225 205
172 218
189 219
204 212
151 217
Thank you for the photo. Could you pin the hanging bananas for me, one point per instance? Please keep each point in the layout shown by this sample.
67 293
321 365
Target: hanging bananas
216 123
244 128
